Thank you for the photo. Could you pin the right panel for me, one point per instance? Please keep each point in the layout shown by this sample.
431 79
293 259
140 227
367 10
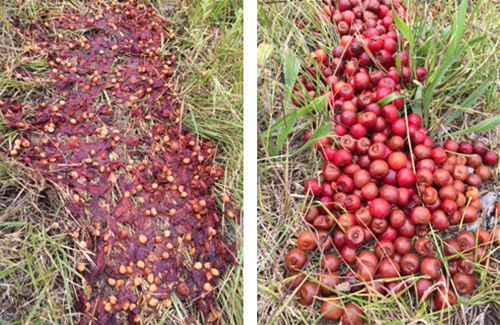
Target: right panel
378 162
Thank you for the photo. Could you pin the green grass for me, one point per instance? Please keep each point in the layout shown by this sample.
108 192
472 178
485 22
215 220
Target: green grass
37 262
459 49
209 45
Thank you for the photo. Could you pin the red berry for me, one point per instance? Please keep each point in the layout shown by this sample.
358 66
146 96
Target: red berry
420 215
379 208
490 158
342 157
406 177
399 127
397 160
313 186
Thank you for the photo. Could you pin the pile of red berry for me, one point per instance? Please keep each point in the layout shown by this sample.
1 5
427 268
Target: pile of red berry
384 180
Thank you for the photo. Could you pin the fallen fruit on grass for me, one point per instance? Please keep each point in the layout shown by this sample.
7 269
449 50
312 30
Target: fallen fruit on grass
110 134
332 308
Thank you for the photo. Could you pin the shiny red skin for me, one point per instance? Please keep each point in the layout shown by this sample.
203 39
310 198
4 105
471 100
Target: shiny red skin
379 208
313 186
406 177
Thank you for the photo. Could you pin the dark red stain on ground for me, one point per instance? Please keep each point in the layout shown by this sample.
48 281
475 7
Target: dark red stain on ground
111 135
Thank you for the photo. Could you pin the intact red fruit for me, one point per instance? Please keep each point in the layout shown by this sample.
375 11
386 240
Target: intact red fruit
406 177
348 254
399 127
379 169
389 234
397 218
490 158
460 172
390 112
361 178
407 230
403 245
294 281
365 271
483 172
306 241
366 257
361 81
444 298
424 177
320 56
441 177
353 315
352 202
421 151
431 267
346 220
338 239
439 220
307 293
332 308
329 282
464 283
311 214
358 131
330 262
313 186
465 148
389 268
363 216
397 160
351 168
409 263
469 214
379 208
483 236
422 286
346 91
448 192
421 74
466 240
367 119
330 172
424 247
389 193
384 249
295 259
342 157
414 119
369 191
438 155
465 265
377 150
345 184
420 215
450 145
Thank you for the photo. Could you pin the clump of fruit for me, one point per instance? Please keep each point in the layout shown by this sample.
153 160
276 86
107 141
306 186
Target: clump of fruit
384 179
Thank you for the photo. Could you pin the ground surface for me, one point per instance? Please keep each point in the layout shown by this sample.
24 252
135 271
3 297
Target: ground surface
38 279
283 168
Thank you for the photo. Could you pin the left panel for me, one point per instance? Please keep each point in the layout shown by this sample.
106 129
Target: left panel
121 151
